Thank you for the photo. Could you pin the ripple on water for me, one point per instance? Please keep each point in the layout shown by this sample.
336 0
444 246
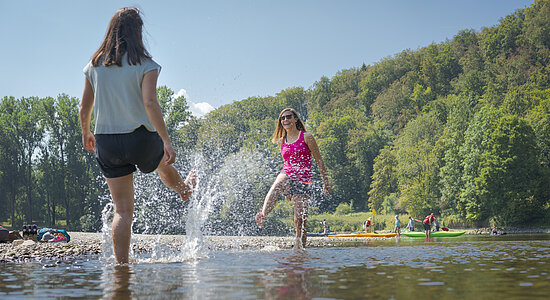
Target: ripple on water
318 273
432 283
526 284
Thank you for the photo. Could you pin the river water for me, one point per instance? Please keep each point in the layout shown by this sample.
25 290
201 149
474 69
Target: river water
466 267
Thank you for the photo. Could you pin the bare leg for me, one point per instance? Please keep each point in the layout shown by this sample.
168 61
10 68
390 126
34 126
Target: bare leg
279 186
172 179
300 217
122 191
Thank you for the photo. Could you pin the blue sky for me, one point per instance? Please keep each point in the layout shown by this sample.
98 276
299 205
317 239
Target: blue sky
216 52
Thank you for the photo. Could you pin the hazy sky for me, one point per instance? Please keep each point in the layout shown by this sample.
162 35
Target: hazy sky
217 52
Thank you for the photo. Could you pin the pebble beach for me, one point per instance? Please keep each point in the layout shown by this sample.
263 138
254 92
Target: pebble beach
83 243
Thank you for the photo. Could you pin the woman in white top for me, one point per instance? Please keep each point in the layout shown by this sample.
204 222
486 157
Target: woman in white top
130 132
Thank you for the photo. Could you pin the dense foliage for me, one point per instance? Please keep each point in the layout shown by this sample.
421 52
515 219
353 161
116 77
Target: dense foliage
459 128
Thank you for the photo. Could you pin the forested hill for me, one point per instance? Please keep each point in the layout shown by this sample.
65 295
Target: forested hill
459 128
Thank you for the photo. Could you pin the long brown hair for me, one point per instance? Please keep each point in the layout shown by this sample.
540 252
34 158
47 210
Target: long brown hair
280 132
124 35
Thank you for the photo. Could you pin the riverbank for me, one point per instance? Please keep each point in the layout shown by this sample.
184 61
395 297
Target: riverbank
83 243
512 230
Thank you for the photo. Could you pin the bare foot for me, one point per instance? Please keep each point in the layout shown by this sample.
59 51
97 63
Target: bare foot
260 219
191 179
190 184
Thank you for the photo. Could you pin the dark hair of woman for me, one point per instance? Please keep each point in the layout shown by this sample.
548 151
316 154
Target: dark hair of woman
124 35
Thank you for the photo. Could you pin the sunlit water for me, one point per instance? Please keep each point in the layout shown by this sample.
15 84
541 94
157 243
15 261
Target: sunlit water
469 267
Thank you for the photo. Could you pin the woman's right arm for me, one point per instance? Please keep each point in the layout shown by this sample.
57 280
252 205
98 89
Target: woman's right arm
85 114
152 107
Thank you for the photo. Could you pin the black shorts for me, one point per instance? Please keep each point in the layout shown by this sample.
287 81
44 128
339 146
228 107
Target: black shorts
119 154
299 188
427 226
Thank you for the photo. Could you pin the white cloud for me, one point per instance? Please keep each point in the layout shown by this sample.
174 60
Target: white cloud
200 109
197 109
183 93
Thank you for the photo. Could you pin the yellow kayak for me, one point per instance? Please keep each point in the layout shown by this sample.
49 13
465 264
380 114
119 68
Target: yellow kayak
363 234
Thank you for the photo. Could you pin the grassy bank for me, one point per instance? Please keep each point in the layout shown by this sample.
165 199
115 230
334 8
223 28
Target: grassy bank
348 222
352 222
40 224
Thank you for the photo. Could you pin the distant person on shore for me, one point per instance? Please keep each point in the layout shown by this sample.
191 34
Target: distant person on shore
436 224
410 225
121 80
297 146
494 231
326 227
367 225
397 228
427 223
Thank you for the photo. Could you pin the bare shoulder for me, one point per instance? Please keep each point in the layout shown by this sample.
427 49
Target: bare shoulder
308 136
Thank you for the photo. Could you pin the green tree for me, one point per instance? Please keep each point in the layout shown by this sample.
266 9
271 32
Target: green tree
418 169
10 160
452 169
384 177
476 143
510 177
540 120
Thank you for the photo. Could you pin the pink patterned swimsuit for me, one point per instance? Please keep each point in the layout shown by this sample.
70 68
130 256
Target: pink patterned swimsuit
297 157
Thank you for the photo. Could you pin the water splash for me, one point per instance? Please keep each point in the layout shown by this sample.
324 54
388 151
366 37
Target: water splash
108 254
230 189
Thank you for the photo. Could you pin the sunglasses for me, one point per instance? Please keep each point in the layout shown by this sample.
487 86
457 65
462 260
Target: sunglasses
287 117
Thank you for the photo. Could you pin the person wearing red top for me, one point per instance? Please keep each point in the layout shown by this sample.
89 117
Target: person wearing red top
428 221
367 225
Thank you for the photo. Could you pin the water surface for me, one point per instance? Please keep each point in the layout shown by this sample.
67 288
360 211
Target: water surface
468 267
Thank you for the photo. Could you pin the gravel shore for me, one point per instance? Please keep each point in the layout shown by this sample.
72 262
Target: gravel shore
83 243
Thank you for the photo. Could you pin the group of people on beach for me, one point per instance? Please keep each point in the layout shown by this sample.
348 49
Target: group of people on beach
130 133
426 223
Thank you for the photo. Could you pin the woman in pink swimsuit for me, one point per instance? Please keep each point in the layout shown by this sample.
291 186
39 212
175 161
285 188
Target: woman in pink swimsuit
294 181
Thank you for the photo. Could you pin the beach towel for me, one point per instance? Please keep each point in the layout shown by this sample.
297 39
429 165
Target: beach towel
60 235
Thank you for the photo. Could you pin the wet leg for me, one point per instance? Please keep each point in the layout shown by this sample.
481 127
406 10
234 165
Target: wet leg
122 192
279 186
172 179
300 218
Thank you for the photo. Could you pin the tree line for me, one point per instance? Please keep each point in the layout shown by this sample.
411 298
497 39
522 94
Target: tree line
460 128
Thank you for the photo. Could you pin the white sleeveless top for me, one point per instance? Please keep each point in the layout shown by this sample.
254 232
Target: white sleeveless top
118 106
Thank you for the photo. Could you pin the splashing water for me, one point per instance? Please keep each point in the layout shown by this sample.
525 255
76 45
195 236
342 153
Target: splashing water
229 191
107 243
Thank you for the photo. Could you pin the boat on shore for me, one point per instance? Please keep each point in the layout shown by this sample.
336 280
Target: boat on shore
433 234
364 234
318 234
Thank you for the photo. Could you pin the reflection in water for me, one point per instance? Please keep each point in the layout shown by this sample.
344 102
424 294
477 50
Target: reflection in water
506 267
120 284
152 280
293 278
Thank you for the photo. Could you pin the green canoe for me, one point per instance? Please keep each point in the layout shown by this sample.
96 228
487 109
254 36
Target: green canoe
434 234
